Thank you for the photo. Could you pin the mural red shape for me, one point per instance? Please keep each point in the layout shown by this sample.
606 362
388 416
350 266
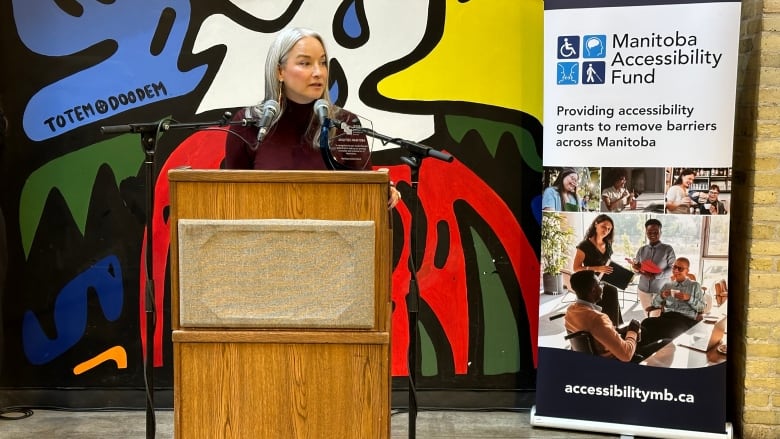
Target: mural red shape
202 150
443 289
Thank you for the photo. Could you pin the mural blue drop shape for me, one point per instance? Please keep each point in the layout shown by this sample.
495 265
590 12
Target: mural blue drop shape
334 92
351 23
339 87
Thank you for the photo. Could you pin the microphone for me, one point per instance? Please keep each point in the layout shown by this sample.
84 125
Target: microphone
270 109
321 107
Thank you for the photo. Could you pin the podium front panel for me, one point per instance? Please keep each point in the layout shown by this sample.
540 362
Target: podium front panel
276 273
289 390
280 303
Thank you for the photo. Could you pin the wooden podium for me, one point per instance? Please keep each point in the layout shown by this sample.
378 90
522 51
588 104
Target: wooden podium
280 303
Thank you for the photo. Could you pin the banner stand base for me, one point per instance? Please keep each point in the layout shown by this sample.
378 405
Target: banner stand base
624 430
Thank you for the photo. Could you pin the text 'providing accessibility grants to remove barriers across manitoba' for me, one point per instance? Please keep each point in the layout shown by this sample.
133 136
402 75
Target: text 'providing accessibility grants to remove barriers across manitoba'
649 87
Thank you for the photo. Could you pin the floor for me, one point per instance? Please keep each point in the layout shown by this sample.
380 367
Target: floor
132 424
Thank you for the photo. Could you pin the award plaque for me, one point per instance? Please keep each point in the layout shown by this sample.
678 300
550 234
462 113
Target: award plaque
347 147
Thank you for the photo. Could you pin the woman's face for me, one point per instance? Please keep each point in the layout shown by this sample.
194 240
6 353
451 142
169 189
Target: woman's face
620 182
603 228
687 180
305 73
570 182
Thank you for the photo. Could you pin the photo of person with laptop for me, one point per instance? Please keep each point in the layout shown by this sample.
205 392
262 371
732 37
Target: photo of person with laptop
689 327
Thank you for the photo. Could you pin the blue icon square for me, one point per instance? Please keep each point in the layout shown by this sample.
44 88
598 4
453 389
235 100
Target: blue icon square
593 72
594 46
568 73
568 46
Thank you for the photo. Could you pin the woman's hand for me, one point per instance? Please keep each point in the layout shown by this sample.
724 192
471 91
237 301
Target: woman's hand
395 197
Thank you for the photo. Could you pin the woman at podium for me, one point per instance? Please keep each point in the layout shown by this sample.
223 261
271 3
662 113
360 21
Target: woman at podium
286 135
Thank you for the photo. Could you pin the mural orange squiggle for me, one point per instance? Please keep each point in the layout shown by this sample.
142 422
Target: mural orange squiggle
116 354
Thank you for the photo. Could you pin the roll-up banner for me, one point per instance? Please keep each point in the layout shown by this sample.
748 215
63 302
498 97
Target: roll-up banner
638 136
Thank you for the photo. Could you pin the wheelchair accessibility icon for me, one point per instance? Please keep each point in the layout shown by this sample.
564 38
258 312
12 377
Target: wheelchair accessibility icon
568 47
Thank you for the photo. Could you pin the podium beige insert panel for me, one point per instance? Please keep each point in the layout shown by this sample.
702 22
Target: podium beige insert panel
276 273
280 285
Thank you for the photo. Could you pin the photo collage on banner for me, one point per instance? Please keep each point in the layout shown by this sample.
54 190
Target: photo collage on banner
638 143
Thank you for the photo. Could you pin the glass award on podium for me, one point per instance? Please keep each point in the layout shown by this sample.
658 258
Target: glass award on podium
346 147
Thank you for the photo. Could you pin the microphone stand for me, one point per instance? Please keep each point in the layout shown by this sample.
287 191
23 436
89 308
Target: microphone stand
417 152
414 161
149 132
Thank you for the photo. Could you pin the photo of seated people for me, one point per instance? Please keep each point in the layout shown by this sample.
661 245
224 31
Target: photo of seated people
698 191
644 287
570 189
632 189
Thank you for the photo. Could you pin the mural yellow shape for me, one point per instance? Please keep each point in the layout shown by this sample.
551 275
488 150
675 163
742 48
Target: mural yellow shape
490 53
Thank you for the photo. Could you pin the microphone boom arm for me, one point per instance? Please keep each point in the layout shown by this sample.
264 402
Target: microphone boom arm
167 125
417 149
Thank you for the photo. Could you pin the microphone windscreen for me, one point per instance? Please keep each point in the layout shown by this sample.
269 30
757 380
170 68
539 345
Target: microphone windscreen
272 106
321 108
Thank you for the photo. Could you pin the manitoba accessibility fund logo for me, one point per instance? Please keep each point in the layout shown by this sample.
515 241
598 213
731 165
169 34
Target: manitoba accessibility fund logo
579 59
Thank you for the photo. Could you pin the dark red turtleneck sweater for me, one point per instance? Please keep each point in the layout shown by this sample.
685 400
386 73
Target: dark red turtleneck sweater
285 147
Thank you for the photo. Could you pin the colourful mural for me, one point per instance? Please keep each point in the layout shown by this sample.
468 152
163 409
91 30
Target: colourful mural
462 76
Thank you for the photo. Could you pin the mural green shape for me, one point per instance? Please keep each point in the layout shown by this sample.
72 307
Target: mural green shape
501 341
492 131
429 363
74 176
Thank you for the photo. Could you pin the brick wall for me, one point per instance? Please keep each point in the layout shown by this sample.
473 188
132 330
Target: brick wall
754 278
